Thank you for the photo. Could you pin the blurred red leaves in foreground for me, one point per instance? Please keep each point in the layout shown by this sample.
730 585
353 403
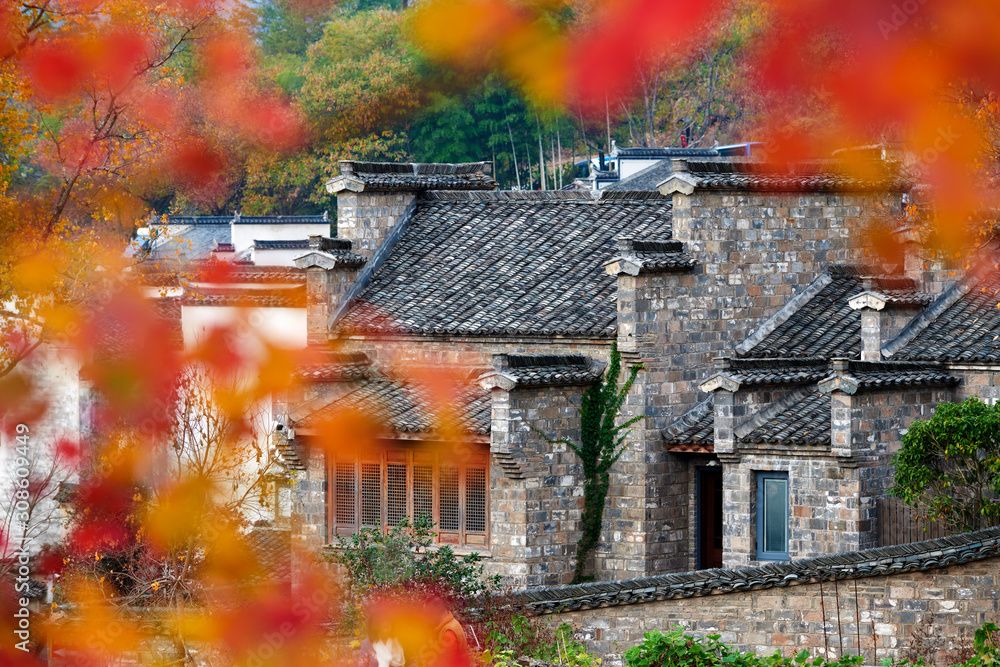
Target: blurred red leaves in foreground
162 520
909 73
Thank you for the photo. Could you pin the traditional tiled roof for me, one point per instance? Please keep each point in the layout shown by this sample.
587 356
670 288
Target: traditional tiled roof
239 219
962 325
336 366
662 255
803 419
695 430
803 177
552 370
664 153
218 220
290 297
191 240
367 176
750 372
117 337
818 322
882 374
281 220
280 245
149 274
406 407
271 550
645 180
883 561
505 264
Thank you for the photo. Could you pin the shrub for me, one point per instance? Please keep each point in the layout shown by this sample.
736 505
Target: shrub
404 556
520 636
676 649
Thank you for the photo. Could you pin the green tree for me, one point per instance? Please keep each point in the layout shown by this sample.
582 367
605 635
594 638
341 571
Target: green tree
602 442
949 464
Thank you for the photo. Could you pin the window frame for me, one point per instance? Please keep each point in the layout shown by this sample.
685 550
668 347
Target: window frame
413 457
760 477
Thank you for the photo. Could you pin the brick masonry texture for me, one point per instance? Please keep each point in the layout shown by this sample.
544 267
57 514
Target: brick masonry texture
753 252
958 599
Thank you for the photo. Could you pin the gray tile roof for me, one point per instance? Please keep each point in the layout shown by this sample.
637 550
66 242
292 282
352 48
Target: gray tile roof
367 176
552 370
884 374
802 177
281 245
239 219
913 557
286 297
191 241
963 325
752 372
662 255
806 421
664 153
506 263
819 322
281 219
696 428
406 407
644 180
336 367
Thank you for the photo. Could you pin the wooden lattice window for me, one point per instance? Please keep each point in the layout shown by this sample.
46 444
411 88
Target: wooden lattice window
475 500
381 490
346 492
449 499
371 494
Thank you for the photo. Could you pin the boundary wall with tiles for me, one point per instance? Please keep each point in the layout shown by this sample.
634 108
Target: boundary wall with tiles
871 599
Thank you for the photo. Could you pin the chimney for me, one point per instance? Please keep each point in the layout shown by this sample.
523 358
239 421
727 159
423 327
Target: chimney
841 387
375 198
724 386
870 304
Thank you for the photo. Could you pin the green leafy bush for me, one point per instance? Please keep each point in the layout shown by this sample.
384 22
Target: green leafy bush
676 649
379 560
520 636
949 465
984 652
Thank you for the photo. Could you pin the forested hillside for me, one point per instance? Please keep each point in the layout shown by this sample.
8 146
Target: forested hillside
367 93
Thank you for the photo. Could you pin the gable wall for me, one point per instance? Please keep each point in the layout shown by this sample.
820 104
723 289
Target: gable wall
537 499
754 252
367 217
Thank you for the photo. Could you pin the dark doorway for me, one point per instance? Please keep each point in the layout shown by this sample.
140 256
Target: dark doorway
709 499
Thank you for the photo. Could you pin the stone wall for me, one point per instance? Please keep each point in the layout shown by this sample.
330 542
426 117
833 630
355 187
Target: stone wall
536 494
859 604
754 251
366 218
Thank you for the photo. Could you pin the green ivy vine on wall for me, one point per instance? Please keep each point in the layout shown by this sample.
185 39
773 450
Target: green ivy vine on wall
602 442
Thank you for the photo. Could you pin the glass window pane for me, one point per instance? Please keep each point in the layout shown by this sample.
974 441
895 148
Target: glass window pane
775 515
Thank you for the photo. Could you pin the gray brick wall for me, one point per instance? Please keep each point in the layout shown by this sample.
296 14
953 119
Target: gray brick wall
887 609
367 217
